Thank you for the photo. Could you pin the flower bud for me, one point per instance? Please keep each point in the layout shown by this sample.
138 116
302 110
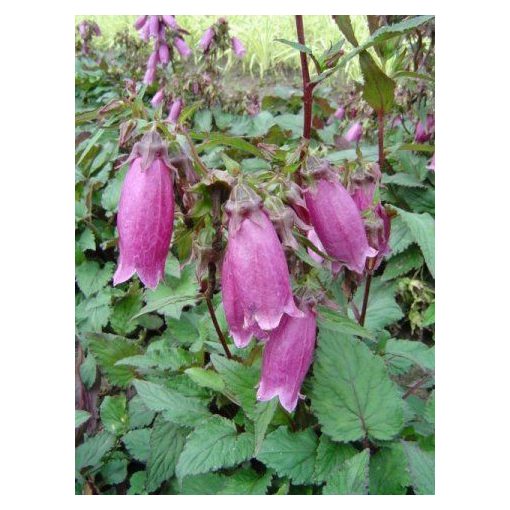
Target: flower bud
175 111
378 228
340 113
238 47
140 22
336 219
146 213
206 40
363 184
164 54
287 357
355 133
256 287
158 97
170 22
182 47
314 239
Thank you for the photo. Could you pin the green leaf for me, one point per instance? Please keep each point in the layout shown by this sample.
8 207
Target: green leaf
166 444
333 321
297 46
87 241
205 484
345 25
400 237
262 123
240 382
80 417
402 263
415 351
115 470
206 378
290 454
202 121
176 408
139 414
421 227
215 139
93 450
98 134
254 165
290 122
430 408
403 179
88 371
429 316
110 196
421 468
108 349
92 314
114 414
123 312
264 412
388 471
353 396
91 277
417 147
213 445
378 89
170 298
246 482
330 456
351 478
137 483
382 308
137 443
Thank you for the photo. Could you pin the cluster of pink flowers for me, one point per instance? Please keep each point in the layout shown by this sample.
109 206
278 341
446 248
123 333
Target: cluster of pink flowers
212 34
156 27
87 30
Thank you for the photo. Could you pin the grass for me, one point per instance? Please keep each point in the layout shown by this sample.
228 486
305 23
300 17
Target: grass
258 34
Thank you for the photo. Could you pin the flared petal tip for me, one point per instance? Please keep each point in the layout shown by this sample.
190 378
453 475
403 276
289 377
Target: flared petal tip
122 274
241 338
287 400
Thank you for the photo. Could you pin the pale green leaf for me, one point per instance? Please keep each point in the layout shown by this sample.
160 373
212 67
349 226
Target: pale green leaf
389 471
421 468
93 449
351 478
137 443
80 417
330 456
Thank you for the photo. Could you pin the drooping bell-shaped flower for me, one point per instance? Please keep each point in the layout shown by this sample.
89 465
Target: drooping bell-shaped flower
175 110
339 113
363 185
154 26
355 133
287 357
336 218
164 54
182 47
150 75
146 213
158 97
206 40
238 47
153 60
140 22
170 22
314 239
255 281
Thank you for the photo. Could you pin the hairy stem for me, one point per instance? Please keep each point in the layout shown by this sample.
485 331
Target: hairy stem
365 299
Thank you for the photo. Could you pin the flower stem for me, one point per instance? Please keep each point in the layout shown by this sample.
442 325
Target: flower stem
365 299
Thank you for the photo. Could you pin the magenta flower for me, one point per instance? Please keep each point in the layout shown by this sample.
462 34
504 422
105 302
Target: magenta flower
158 97
420 133
255 282
164 54
287 358
146 213
140 22
175 110
182 47
355 133
340 113
206 39
153 60
170 22
238 47
150 75
363 185
154 26
314 238
337 220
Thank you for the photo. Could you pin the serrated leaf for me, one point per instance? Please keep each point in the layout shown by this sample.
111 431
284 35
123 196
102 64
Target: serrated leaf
264 412
330 456
402 263
430 408
115 471
213 445
388 471
421 468
421 227
137 443
429 316
92 314
202 121
378 89
123 312
166 444
108 349
91 277
114 416
246 482
297 46
400 237
88 371
93 449
402 179
382 308
215 139
416 352
137 483
205 378
86 241
139 414
351 478
240 382
176 408
353 396
80 417
290 454
205 484
333 321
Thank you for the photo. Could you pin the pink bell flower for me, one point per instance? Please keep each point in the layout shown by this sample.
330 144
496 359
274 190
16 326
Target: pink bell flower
238 47
355 133
182 47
